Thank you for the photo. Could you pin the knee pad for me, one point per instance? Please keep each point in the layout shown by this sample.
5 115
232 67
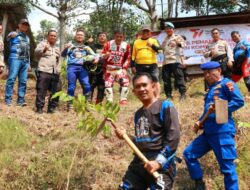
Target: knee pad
124 93
109 94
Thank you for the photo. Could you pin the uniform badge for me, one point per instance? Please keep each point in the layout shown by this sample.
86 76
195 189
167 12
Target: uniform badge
230 86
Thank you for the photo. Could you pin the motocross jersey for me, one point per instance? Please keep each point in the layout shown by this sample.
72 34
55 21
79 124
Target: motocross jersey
119 57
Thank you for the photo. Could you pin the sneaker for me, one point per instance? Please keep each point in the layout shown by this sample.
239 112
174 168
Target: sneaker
39 110
8 104
123 102
51 110
23 104
200 185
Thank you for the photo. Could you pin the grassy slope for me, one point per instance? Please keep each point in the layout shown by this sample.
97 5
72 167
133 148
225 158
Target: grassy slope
39 157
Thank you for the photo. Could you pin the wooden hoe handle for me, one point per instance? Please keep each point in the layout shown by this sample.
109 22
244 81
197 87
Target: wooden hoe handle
136 150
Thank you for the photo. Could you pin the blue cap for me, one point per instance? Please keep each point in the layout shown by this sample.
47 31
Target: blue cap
169 25
210 65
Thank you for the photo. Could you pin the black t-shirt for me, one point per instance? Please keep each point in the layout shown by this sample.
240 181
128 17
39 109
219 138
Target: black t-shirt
97 48
153 133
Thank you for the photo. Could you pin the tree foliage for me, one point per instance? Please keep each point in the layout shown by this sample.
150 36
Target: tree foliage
27 6
206 7
149 7
66 10
91 115
45 26
110 15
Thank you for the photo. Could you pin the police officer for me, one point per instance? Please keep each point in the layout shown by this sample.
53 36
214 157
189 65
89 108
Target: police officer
48 71
219 50
157 135
216 137
172 46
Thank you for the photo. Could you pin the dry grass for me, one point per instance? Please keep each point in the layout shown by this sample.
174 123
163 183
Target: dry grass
44 161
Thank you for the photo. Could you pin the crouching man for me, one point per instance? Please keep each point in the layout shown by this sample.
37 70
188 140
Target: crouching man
157 135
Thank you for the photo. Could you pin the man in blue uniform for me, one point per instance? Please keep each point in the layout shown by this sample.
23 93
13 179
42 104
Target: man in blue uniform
18 62
157 135
216 137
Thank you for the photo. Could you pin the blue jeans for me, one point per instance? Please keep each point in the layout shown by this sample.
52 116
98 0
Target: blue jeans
18 68
75 72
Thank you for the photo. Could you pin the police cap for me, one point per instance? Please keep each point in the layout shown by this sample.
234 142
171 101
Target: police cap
169 25
210 65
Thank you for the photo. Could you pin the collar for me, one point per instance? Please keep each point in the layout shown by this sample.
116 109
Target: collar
216 83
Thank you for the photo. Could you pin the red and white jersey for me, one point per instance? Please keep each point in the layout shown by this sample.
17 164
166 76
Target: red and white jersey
119 55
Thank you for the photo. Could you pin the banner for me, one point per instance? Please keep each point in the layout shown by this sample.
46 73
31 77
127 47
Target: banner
197 39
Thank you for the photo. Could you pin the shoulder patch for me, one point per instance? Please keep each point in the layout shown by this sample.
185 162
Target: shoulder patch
230 86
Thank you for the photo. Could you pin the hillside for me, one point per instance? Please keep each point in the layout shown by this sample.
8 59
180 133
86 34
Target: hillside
36 151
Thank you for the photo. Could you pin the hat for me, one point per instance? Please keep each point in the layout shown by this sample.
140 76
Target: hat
22 21
169 25
146 27
210 65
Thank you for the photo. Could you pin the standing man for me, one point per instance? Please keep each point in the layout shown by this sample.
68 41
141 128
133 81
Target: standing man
116 54
48 71
18 62
241 66
78 54
96 71
219 50
157 135
216 137
144 56
172 48
1 50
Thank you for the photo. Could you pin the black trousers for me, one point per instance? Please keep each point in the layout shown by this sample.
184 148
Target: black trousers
47 82
137 178
97 81
225 70
177 71
152 69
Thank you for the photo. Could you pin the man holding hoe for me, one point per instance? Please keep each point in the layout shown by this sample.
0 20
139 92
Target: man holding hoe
157 135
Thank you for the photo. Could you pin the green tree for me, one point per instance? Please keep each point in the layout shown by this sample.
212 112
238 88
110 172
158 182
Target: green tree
110 15
206 7
45 26
66 10
26 5
149 7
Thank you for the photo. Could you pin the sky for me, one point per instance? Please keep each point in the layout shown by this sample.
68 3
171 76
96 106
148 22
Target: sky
36 15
